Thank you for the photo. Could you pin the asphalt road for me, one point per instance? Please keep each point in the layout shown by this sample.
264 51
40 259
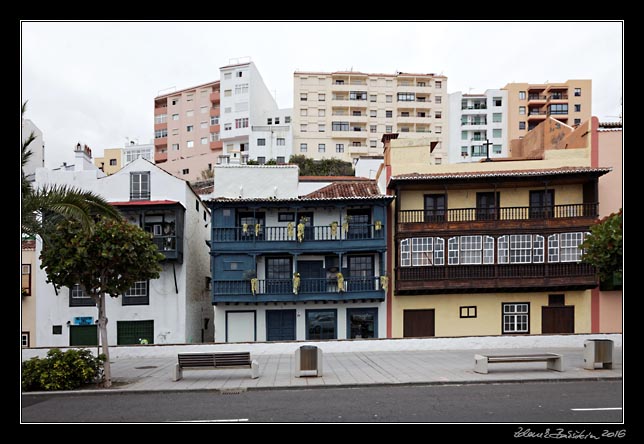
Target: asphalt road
520 403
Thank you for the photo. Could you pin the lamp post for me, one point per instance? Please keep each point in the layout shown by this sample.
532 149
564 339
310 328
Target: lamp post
487 150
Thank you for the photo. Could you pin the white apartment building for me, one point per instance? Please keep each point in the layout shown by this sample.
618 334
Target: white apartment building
344 114
475 120
133 151
176 307
37 148
251 122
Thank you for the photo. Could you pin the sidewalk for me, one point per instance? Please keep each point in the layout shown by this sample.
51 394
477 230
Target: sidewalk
357 363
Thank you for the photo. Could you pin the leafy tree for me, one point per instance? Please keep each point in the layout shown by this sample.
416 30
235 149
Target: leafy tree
603 248
107 261
42 209
208 173
324 167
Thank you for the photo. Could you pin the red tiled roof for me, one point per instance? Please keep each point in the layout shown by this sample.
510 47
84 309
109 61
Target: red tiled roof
346 190
332 178
144 202
29 245
506 173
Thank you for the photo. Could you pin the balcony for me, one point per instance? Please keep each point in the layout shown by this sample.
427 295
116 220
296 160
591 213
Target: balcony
160 157
215 129
216 145
215 97
537 98
474 107
555 216
358 149
161 141
536 114
495 278
215 112
474 123
282 239
281 290
160 110
350 134
557 96
160 126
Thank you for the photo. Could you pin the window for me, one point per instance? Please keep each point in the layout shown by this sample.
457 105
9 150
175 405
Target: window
321 324
303 127
286 217
464 135
277 120
521 95
321 112
133 332
373 143
189 128
78 298
497 117
406 97
496 149
204 140
389 98
321 147
438 84
556 300
356 113
228 92
389 113
339 82
438 129
228 75
502 248
280 160
467 312
175 117
287 119
520 249
389 83
303 147
161 118
538 249
438 115
280 141
357 95
304 112
405 253
373 113
261 142
521 125
452 251
304 97
497 133
203 109
185 171
373 97
422 84
321 127
137 294
577 108
340 126
24 339
355 143
569 246
175 147
470 250
158 134
438 99
361 272
227 110
241 123
435 206
26 279
389 129
422 249
464 151
577 122
339 147
228 126
241 88
174 101
239 73
558 108
516 317
497 101
404 114
112 162
56 329
190 143
261 160
362 323
269 121
487 204
577 92
488 250
522 110
203 125
373 128
140 185
321 97
541 204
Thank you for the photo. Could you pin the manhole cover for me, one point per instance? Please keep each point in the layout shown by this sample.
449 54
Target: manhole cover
145 367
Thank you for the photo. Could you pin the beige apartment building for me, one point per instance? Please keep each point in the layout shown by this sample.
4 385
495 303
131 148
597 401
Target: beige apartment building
186 130
530 104
111 161
344 114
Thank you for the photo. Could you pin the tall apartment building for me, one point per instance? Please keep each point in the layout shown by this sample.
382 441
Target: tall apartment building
529 104
186 130
478 125
116 158
253 126
344 114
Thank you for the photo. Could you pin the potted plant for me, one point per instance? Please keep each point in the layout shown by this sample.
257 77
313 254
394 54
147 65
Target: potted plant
251 275
334 228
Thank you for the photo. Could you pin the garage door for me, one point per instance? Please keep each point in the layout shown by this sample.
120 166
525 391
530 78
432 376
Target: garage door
240 326
558 319
418 323
280 325
133 332
83 335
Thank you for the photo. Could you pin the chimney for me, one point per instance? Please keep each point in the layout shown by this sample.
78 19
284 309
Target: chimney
83 158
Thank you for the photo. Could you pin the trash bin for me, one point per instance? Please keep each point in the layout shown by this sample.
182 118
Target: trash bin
308 361
598 351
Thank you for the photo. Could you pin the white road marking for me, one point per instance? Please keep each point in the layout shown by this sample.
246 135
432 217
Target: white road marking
596 409
217 420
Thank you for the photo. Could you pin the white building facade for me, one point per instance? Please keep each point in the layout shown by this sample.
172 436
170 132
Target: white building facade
37 148
474 120
175 308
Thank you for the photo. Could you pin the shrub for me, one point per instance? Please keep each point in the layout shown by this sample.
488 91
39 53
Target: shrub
62 370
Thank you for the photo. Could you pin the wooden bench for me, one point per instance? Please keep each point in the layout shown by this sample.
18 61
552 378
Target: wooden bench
553 360
215 361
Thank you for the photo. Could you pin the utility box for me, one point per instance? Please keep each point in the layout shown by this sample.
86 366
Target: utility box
308 361
598 351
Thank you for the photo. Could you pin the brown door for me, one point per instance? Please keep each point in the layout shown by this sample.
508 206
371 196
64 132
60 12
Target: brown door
418 323
558 319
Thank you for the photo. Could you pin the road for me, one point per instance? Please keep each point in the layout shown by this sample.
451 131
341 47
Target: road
599 401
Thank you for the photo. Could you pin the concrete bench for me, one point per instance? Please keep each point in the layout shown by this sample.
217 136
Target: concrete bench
553 360
214 361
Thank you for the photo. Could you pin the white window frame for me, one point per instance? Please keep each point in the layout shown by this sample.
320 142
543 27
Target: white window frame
503 247
471 248
520 248
452 250
488 250
538 247
422 251
553 248
516 318
405 253
569 250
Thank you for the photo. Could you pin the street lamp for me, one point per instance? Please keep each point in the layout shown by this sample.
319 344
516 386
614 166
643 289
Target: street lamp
487 150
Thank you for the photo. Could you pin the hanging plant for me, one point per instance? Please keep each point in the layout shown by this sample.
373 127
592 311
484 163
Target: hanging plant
296 283
253 286
257 227
378 225
334 228
300 232
290 230
340 281
384 282
345 224
244 228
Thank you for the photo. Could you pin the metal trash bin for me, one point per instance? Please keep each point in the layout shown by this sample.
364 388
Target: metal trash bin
598 351
308 361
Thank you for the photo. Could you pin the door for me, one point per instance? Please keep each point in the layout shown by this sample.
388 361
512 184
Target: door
435 205
134 332
418 323
359 224
542 204
309 230
362 323
312 276
83 335
279 275
558 319
361 276
280 325
240 326
487 205
249 220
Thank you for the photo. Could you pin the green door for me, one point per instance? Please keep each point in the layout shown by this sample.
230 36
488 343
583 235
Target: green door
133 332
83 335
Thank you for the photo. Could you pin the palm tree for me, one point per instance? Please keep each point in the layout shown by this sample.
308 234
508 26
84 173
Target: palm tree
42 209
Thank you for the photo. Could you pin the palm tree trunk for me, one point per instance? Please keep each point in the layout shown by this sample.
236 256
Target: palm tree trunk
102 326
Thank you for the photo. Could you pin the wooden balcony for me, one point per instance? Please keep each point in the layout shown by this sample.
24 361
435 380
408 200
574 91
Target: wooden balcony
495 278
554 216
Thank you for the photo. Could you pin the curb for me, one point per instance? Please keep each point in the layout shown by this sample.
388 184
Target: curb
234 390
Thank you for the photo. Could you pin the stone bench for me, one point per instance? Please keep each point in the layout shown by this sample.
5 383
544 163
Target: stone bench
553 360
214 361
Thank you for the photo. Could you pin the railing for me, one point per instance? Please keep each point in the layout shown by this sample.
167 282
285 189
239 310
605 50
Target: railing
474 122
165 243
537 97
311 233
503 213
139 195
558 97
493 271
536 113
474 107
285 286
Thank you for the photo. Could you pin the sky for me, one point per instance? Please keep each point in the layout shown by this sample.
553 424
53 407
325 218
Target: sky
95 82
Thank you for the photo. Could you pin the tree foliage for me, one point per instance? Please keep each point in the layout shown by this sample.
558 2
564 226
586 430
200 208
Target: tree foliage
324 167
603 248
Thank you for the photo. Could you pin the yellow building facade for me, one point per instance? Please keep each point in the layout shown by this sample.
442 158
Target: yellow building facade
111 162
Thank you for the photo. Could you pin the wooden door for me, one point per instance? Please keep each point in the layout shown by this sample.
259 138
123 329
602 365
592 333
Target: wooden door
418 323
558 319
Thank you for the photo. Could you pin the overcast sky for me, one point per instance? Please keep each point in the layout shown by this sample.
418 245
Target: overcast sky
96 82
